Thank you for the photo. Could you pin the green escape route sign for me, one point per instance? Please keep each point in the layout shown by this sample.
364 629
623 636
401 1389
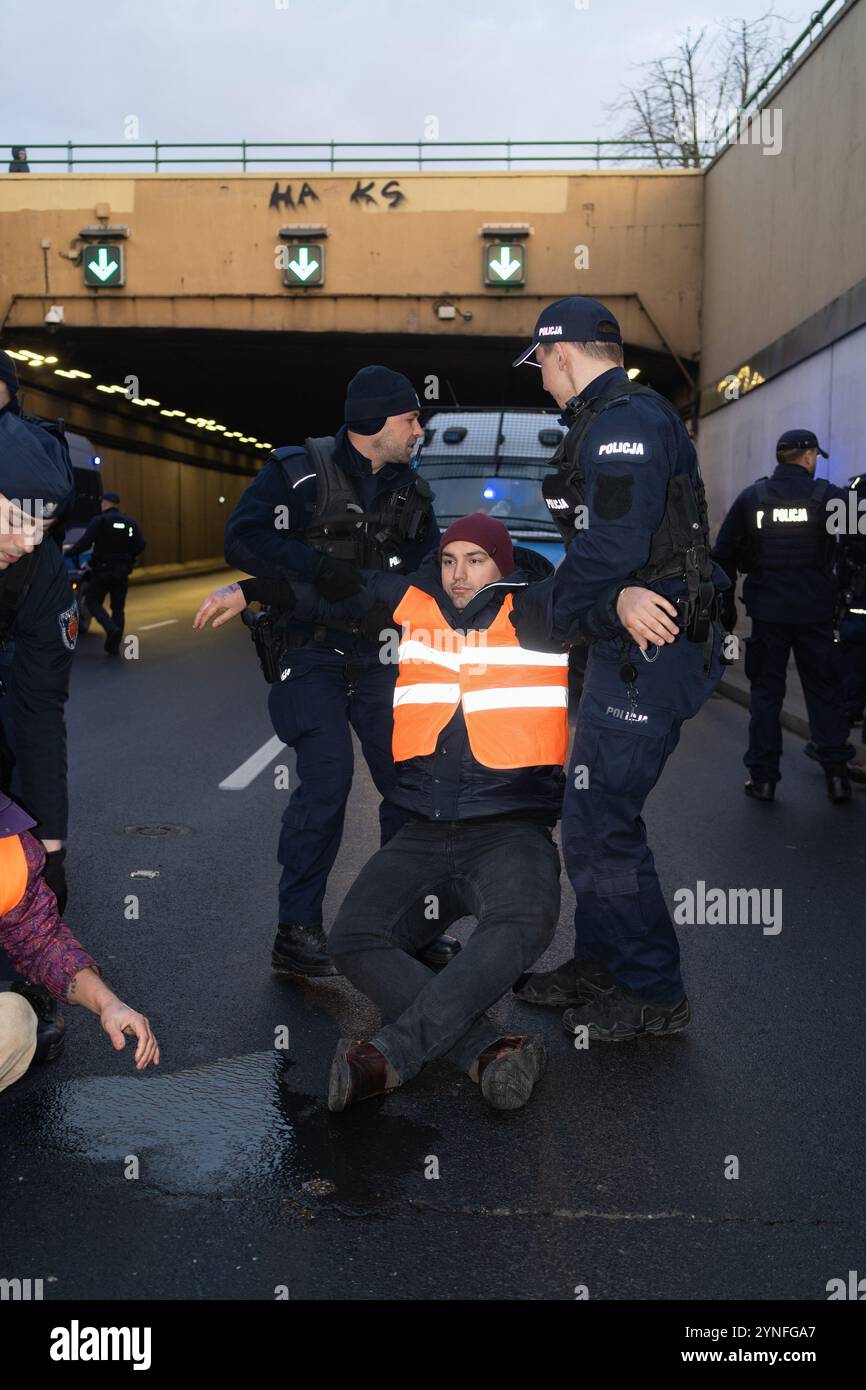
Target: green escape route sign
103 265
504 263
304 264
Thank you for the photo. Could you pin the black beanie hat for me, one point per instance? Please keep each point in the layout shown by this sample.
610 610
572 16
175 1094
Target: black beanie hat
8 372
373 394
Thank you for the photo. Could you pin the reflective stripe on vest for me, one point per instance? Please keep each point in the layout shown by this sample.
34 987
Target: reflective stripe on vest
13 872
514 701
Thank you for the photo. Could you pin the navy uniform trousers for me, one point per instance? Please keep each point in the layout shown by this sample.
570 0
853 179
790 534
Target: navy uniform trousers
817 658
314 709
618 754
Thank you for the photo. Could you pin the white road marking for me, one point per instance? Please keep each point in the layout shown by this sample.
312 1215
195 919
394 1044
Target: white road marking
167 622
242 776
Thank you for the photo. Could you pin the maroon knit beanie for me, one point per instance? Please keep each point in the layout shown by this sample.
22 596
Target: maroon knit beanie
487 532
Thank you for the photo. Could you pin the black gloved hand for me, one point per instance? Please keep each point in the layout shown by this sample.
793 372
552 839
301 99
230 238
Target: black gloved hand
728 614
377 619
54 874
337 579
528 617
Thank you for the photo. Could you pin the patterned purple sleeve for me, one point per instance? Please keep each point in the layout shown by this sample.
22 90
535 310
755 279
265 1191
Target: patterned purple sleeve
38 943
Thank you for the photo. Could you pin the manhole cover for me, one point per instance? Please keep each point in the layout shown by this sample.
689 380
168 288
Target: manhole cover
156 830
319 1187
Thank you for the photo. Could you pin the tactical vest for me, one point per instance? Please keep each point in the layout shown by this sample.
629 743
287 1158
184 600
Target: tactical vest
787 532
514 701
341 527
113 542
680 546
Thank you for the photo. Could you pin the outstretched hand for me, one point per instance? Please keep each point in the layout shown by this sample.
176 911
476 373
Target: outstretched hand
226 602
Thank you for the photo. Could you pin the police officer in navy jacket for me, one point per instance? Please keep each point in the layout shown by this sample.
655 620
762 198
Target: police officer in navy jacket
777 534
321 512
628 496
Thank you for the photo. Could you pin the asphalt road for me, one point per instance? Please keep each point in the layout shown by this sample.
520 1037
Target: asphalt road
612 1178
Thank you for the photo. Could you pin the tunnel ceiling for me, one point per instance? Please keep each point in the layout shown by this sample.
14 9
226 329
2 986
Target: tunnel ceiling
281 387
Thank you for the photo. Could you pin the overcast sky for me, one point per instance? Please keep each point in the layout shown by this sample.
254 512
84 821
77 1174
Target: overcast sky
344 69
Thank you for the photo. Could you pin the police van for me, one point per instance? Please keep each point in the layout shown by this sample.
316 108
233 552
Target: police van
493 461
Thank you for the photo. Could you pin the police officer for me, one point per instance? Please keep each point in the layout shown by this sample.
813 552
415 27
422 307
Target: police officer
117 542
851 610
38 623
630 502
322 512
777 534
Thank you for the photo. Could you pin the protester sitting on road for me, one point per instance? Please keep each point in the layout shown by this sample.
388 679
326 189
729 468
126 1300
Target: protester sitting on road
43 948
480 736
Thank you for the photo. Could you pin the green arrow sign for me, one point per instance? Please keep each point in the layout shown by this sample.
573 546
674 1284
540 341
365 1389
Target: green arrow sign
103 265
305 265
504 263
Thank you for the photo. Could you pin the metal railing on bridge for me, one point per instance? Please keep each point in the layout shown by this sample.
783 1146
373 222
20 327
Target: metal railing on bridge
416 154
279 155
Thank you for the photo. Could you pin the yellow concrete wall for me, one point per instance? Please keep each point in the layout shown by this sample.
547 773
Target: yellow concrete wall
202 247
786 233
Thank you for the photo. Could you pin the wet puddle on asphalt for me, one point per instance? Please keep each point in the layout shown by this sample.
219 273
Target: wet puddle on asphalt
230 1125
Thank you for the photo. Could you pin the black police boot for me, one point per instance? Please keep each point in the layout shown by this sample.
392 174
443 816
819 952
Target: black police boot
440 952
622 1016
760 791
573 982
838 784
113 641
301 951
51 1025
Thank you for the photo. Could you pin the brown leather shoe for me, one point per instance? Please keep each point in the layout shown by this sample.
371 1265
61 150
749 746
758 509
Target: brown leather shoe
508 1069
359 1071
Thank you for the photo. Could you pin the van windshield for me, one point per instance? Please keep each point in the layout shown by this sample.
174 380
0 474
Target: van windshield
508 489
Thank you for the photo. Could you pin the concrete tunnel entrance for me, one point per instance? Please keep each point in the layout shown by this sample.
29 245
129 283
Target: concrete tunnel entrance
182 480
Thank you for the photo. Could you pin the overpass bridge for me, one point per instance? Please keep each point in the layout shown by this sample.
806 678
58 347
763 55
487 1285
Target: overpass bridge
188 321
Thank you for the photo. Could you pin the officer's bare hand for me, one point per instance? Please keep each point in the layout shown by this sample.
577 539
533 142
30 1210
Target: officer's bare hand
647 617
118 1019
226 602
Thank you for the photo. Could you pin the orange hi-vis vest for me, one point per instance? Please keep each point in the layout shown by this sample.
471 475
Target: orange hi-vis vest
515 701
13 872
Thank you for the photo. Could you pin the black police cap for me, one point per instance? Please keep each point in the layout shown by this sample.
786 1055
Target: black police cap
800 439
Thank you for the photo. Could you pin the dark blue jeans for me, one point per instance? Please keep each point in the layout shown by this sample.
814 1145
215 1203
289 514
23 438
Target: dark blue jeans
325 696
767 653
505 874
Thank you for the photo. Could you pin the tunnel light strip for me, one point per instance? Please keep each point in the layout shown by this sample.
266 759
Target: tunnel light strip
38 359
